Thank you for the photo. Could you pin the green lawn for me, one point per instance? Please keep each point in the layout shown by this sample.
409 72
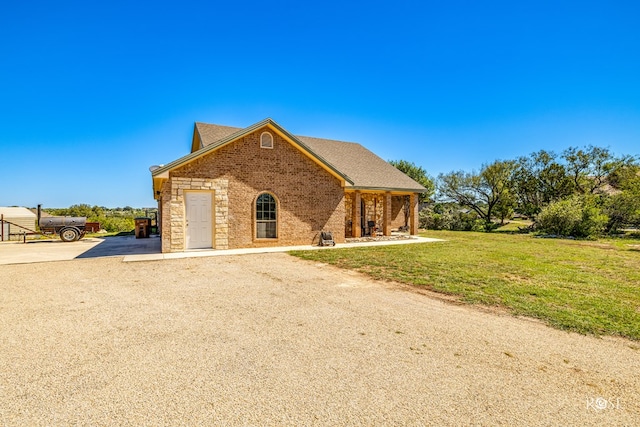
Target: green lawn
584 286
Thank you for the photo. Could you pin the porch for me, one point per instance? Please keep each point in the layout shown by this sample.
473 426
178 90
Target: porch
378 213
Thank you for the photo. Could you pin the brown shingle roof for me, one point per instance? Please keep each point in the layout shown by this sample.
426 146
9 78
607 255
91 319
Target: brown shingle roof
364 168
213 133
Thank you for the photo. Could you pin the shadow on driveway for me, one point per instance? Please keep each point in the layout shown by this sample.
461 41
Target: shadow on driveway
122 246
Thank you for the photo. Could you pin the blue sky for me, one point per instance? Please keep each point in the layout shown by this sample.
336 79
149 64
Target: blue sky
93 93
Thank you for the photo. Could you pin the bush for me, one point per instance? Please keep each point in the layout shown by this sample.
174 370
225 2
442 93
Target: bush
434 221
450 217
623 210
577 216
113 224
467 221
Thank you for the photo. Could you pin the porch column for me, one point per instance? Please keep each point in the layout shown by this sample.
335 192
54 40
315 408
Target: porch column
386 214
413 214
356 227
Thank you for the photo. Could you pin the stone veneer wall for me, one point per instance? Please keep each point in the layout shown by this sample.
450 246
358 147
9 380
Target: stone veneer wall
373 208
309 198
174 212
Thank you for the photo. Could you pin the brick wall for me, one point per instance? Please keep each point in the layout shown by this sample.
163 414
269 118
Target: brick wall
397 211
309 198
348 203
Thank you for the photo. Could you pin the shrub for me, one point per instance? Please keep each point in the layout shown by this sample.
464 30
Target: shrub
434 221
450 217
623 210
577 216
113 224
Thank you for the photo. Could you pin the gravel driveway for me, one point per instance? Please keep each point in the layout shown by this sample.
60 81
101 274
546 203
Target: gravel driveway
272 340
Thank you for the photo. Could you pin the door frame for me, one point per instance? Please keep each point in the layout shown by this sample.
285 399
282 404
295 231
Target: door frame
211 218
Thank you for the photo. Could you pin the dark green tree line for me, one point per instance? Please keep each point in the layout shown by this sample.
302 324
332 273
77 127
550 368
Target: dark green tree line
589 188
110 219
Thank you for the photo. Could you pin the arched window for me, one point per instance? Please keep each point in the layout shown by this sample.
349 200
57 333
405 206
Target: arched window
266 140
266 217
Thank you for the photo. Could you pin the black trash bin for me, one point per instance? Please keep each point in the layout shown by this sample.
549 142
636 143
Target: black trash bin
143 227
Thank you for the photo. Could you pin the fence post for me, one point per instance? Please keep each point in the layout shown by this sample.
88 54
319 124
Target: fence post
1 227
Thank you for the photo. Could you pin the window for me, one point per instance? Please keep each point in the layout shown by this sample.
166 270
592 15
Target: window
266 140
266 217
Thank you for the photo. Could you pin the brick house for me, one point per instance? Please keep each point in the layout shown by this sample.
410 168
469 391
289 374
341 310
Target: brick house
262 186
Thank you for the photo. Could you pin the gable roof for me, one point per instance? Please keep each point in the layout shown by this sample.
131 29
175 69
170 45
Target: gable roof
357 167
210 133
364 169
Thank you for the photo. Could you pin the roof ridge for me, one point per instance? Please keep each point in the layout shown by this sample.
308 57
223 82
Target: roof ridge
268 119
327 139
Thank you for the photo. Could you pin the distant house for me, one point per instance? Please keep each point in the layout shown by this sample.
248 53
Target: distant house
263 186
16 220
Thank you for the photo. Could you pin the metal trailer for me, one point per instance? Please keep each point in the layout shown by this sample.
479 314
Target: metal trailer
69 228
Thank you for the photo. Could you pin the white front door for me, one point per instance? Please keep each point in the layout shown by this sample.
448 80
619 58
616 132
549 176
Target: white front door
199 224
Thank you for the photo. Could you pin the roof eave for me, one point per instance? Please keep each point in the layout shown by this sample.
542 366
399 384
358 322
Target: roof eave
385 189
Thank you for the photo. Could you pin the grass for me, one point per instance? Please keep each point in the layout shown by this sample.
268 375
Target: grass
590 287
514 225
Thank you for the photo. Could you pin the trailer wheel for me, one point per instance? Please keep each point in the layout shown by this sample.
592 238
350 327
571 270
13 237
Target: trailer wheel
69 235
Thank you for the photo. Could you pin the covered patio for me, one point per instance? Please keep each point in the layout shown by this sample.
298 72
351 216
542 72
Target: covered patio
371 213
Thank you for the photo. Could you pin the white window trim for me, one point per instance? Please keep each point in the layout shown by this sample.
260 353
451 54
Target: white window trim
276 221
266 146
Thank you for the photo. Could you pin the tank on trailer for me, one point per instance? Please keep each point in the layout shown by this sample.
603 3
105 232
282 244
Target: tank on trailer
70 228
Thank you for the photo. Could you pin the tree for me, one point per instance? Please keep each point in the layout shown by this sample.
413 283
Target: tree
623 206
590 167
504 207
623 210
98 211
482 191
80 210
538 180
626 175
419 175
